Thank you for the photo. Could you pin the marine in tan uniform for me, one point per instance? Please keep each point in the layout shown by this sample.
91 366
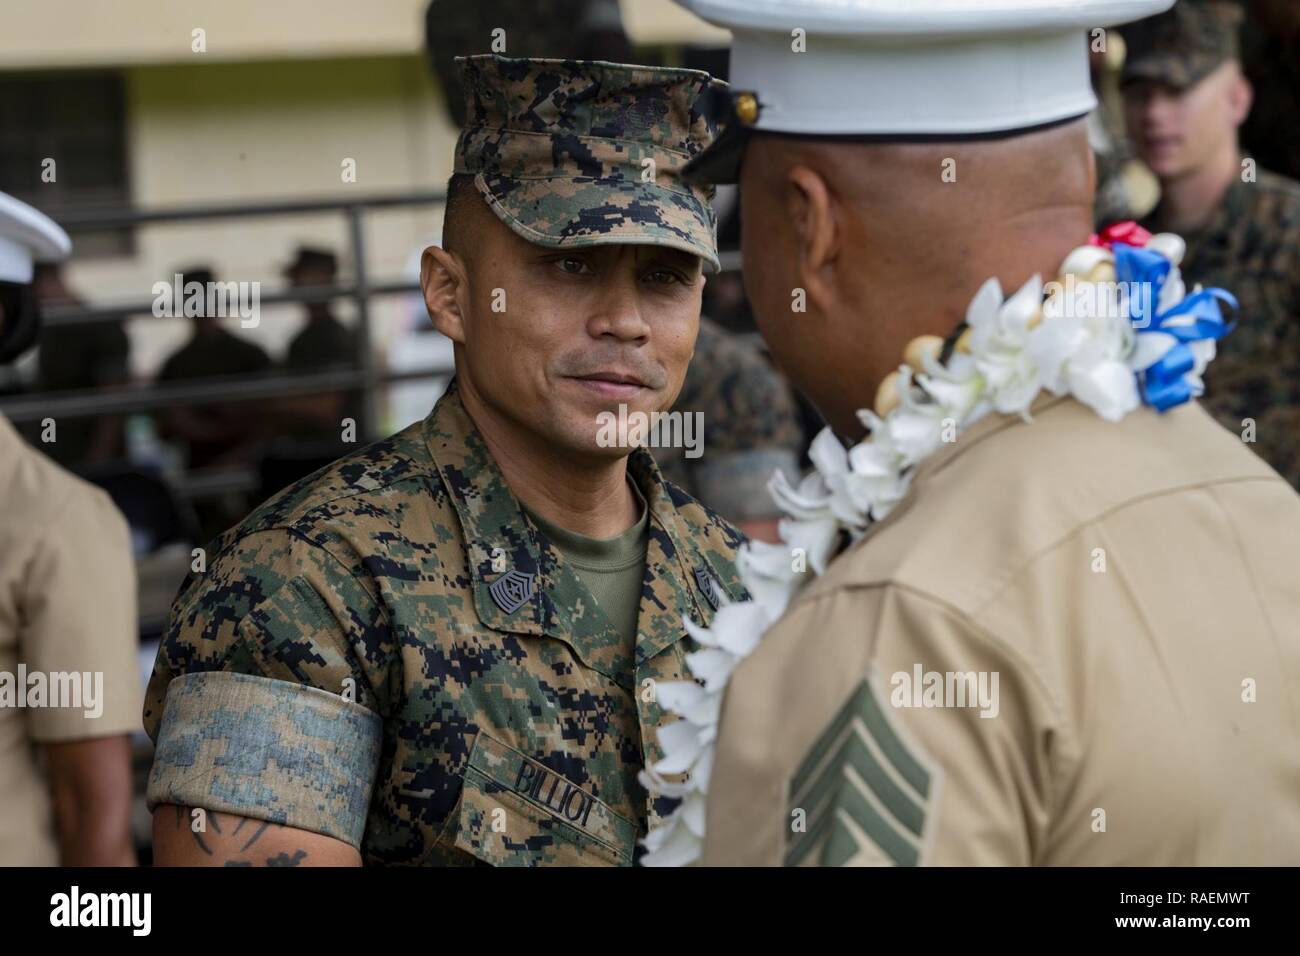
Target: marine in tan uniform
69 684
1073 641
444 648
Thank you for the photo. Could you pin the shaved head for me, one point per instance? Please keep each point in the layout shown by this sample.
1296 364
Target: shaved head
888 241
463 216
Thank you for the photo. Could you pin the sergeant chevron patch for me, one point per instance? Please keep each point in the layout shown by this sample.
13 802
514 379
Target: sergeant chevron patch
867 794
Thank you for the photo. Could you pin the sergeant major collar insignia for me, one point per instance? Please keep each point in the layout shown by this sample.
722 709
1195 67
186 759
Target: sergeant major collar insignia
512 590
707 585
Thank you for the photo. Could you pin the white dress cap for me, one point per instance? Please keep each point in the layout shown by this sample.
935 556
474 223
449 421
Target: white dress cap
26 236
944 68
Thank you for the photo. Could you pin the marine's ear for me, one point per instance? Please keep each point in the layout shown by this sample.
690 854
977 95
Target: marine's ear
813 216
445 284
1241 96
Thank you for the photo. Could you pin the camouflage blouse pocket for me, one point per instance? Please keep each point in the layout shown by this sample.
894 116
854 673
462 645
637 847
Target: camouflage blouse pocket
514 811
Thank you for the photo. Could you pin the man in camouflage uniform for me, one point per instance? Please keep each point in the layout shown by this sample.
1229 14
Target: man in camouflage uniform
1186 98
433 651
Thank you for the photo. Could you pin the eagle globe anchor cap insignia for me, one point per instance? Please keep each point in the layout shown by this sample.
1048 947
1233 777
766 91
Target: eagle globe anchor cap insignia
512 590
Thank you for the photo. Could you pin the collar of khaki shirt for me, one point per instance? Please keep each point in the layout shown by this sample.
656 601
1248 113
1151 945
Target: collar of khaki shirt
990 425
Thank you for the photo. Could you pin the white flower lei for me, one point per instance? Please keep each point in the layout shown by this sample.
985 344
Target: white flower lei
1011 351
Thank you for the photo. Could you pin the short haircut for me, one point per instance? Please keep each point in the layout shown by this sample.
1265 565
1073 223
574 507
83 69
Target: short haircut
463 202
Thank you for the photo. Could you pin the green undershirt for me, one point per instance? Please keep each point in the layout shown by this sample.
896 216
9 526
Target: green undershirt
611 568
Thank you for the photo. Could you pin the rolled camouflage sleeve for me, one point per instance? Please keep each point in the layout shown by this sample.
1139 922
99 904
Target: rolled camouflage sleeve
274 606
269 750
268 694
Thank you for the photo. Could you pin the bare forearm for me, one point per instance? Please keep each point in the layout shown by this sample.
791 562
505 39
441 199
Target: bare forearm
94 841
186 837
90 789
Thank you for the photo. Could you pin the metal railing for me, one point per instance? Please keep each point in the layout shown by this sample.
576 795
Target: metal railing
366 377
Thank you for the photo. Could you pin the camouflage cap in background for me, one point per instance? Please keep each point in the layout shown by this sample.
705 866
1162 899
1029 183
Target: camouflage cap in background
1183 45
558 148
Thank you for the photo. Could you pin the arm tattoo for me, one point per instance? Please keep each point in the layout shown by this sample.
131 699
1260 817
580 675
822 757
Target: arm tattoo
223 849
198 838
253 838
283 859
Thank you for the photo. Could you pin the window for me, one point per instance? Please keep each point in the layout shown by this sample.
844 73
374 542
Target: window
79 121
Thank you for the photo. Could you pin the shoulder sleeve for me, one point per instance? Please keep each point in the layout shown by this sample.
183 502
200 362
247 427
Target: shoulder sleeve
81 619
286 611
267 749
845 740
963 703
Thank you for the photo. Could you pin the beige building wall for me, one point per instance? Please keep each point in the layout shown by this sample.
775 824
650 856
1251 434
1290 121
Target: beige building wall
45 34
217 133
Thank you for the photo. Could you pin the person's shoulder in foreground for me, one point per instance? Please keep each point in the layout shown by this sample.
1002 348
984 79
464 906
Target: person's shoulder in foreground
62 536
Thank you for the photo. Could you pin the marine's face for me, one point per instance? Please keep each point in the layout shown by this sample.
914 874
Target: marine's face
554 337
1178 131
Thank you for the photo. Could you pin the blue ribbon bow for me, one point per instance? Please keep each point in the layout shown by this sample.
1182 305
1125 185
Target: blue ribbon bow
1164 384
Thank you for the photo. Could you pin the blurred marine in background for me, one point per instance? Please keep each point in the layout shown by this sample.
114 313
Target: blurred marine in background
1186 96
69 688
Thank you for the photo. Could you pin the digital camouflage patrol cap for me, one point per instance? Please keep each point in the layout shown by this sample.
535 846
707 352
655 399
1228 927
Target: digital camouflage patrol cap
573 153
1183 46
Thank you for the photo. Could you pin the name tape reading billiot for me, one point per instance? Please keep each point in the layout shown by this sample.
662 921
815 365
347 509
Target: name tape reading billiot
532 781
